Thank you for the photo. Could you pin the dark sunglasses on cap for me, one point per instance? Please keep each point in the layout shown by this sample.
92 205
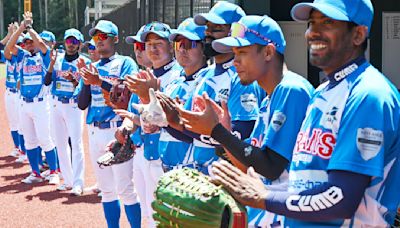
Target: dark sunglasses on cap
185 44
139 46
91 47
101 36
72 40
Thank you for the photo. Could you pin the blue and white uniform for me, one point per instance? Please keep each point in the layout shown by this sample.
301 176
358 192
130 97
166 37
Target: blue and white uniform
174 152
67 120
12 101
222 83
280 117
35 108
352 124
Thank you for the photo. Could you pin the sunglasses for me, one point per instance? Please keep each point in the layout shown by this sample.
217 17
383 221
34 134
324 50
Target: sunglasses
239 31
101 37
72 40
92 47
139 46
156 26
185 44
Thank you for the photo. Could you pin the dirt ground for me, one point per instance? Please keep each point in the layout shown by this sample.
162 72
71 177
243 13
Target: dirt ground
40 205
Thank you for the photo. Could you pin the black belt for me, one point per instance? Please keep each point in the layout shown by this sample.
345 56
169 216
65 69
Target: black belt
105 125
30 100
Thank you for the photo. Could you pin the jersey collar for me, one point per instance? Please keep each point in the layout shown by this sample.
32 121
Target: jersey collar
192 76
344 71
222 67
104 61
158 72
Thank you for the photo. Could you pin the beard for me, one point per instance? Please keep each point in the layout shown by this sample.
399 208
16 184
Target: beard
208 49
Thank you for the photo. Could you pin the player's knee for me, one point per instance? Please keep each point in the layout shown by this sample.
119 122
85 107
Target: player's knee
108 196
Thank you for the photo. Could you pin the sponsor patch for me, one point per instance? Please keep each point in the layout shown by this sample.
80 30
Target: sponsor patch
277 120
248 101
369 142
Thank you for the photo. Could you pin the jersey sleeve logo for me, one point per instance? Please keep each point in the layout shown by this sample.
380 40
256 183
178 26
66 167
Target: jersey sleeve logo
248 101
369 142
277 120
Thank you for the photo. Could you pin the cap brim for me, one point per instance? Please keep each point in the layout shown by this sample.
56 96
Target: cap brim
187 35
164 35
132 39
75 36
301 11
201 19
226 44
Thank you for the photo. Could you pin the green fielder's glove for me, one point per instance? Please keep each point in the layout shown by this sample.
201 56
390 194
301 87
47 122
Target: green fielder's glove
186 198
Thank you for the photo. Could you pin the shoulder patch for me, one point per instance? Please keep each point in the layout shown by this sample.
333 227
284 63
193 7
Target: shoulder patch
369 142
277 120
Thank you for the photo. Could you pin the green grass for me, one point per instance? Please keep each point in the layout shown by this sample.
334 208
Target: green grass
2 70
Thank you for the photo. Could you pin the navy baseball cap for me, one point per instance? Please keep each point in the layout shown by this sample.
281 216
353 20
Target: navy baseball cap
74 33
221 13
252 30
360 12
105 27
189 29
135 38
158 28
48 36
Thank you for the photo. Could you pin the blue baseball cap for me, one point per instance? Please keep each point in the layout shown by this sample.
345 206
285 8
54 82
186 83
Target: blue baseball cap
74 33
252 30
48 36
360 12
105 27
135 38
158 28
221 13
189 29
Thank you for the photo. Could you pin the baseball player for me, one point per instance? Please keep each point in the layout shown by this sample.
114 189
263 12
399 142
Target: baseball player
139 48
259 46
48 38
345 161
12 96
35 109
67 119
93 54
189 53
115 182
221 83
165 68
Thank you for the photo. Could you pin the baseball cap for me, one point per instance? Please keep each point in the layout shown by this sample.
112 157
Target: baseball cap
135 38
20 39
189 29
74 33
48 36
221 13
252 30
27 36
105 27
158 28
360 12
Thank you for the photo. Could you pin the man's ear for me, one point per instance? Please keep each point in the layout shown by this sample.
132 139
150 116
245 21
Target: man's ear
116 39
269 51
360 34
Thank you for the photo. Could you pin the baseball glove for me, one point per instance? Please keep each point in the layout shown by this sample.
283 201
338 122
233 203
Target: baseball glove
120 95
186 198
116 152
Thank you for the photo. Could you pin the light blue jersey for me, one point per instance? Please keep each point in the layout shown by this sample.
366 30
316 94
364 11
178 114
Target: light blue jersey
13 67
280 117
352 124
173 151
222 83
167 75
113 68
61 87
33 72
